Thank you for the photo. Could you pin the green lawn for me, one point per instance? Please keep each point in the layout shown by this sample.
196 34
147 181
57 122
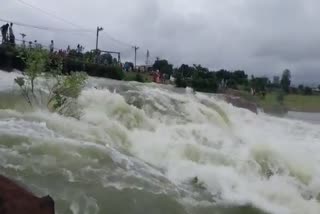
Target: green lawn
303 103
292 102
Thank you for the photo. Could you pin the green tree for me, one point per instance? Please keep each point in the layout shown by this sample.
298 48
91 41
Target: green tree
240 77
223 75
200 69
186 71
203 79
106 59
319 87
36 60
62 88
286 80
180 81
301 88
307 91
163 66
260 83
128 65
88 57
232 84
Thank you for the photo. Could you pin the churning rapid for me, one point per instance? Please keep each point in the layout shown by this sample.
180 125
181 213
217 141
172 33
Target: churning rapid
137 148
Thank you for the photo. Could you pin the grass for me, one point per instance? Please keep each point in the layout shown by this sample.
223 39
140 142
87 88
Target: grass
292 102
270 104
302 103
131 76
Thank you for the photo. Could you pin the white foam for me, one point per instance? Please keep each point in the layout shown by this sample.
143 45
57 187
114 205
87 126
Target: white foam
7 80
180 137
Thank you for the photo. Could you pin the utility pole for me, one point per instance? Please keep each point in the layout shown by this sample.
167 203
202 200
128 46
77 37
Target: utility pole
135 56
147 60
23 41
97 40
119 58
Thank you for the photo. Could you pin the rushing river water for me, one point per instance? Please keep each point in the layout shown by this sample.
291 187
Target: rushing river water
136 148
309 117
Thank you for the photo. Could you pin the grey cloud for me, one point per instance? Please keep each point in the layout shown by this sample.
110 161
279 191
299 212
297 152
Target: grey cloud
262 37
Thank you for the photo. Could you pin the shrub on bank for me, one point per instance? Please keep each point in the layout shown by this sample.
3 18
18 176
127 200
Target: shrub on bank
139 78
197 83
107 71
180 82
96 70
307 91
70 64
10 58
15 58
205 85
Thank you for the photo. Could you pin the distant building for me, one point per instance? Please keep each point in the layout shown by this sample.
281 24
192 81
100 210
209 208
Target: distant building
316 90
144 68
141 68
276 80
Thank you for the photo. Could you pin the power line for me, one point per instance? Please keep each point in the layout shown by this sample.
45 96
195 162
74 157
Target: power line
116 40
51 14
73 24
45 28
48 13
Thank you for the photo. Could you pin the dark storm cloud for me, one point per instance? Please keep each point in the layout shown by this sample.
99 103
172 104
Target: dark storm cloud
262 37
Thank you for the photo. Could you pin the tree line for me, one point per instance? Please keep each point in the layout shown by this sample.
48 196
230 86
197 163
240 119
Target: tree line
202 79
94 64
196 76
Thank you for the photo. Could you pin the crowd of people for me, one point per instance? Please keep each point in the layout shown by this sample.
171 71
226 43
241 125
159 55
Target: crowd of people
8 37
7 34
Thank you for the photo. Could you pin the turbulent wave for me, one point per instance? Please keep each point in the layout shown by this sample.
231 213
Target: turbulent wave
137 147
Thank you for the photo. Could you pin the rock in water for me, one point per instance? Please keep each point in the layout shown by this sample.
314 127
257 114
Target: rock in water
16 200
241 103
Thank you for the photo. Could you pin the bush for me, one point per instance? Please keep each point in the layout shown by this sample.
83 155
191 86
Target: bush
113 72
65 88
205 85
107 71
280 97
307 91
96 70
10 59
139 78
180 82
70 64
232 84
294 90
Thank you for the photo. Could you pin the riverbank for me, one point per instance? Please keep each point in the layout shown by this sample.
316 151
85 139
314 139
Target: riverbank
291 102
269 104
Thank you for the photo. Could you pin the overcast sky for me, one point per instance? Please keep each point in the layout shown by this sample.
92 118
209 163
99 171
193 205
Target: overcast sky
262 37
